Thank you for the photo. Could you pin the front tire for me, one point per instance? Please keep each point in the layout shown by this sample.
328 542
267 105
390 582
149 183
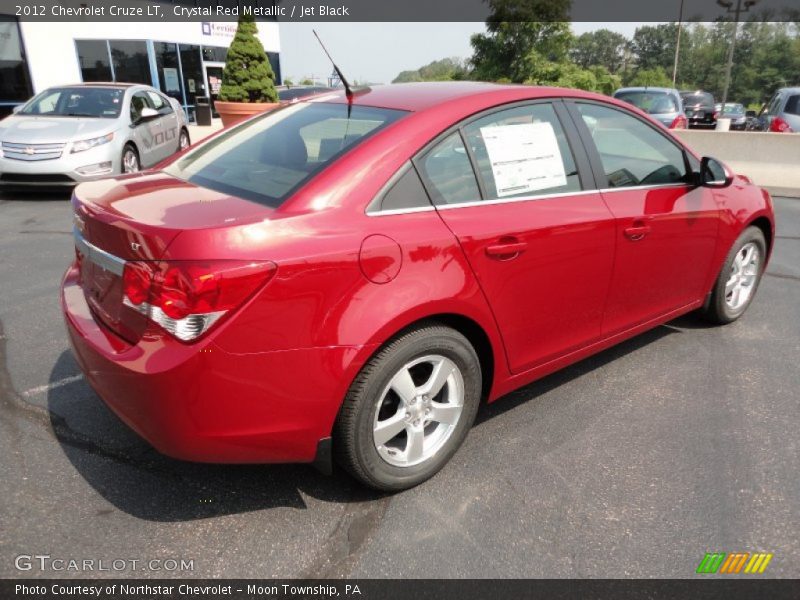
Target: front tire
130 160
738 280
409 409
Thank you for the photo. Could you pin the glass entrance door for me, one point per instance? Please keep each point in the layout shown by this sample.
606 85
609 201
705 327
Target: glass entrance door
214 81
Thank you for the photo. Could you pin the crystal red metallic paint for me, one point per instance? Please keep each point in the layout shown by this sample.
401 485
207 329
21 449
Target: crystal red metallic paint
581 271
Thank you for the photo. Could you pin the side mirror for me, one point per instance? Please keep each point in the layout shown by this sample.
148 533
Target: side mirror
148 113
714 174
750 114
17 108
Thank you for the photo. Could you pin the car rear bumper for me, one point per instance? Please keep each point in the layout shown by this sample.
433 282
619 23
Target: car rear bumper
198 402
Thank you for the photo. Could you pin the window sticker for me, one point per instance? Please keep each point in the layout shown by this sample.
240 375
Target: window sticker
524 158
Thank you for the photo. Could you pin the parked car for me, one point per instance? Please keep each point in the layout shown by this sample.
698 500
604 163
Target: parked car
297 92
782 113
68 134
733 111
751 122
355 275
663 104
699 108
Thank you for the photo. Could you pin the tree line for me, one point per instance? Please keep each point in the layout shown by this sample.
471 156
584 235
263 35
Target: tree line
766 57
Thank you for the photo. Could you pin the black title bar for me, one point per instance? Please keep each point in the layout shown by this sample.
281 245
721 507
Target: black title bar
394 589
393 10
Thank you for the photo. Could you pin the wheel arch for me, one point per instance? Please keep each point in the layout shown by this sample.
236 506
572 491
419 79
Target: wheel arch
765 225
133 145
487 351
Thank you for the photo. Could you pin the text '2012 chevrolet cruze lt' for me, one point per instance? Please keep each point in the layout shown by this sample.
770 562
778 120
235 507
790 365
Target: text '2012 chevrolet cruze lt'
349 277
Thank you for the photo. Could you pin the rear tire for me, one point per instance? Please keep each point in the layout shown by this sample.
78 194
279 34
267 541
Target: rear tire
183 140
409 409
738 280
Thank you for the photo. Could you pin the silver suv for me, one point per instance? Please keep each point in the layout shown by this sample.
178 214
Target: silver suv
663 104
73 133
782 113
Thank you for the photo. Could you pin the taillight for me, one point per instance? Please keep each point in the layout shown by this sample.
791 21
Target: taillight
679 123
778 125
716 114
187 298
136 278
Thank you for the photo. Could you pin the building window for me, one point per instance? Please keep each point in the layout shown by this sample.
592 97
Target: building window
274 60
168 69
15 82
192 66
131 64
214 53
93 58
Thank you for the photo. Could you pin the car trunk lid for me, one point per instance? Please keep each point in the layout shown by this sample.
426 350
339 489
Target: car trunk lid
136 218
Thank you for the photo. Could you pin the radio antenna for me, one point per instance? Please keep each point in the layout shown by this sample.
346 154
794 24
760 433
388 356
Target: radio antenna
347 89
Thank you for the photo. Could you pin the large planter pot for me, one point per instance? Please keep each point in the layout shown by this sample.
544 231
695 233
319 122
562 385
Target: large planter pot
233 112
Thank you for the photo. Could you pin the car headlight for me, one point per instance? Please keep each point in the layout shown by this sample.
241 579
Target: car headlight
88 144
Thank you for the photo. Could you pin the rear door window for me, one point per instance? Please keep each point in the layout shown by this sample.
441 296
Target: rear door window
268 158
522 152
448 173
407 192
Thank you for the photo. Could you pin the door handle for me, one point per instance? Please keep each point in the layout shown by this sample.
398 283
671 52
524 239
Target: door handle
506 250
637 231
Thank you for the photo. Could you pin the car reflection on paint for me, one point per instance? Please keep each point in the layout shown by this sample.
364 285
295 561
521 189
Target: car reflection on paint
349 277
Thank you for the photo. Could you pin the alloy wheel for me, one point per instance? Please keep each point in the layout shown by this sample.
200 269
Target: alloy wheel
130 162
743 276
418 410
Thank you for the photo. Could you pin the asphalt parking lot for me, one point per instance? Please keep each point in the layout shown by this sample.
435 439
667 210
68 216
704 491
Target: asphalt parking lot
633 463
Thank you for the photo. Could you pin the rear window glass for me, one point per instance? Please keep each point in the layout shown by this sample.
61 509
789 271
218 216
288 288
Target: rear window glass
267 159
793 105
701 98
654 103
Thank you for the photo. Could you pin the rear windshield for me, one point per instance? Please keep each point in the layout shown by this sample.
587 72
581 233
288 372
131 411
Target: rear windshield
654 103
267 159
733 109
701 98
99 102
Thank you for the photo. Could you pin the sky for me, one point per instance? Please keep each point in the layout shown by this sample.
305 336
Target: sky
378 52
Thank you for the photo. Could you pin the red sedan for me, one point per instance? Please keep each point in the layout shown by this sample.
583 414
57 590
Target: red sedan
350 277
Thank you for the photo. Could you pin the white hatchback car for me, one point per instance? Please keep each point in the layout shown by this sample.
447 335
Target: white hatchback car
74 133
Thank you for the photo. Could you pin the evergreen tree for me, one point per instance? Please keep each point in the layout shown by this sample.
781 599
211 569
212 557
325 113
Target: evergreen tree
248 75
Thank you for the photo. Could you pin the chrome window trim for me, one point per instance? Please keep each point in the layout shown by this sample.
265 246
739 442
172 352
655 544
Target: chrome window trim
399 211
643 187
403 211
516 199
101 258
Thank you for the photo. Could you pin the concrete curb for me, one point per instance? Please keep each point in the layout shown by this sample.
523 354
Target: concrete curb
771 160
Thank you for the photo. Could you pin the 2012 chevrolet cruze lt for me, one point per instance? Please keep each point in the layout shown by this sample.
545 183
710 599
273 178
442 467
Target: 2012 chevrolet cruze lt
353 275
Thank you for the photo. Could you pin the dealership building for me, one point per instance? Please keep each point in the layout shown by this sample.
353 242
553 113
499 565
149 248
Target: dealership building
183 59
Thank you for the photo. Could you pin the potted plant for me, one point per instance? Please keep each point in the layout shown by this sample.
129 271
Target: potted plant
248 81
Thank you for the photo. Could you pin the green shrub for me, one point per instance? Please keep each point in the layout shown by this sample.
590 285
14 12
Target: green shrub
248 75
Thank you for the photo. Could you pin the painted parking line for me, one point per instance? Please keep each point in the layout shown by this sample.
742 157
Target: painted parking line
51 386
